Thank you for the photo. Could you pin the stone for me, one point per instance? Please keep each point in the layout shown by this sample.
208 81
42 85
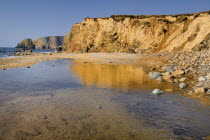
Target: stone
200 84
201 79
168 90
167 77
182 79
200 90
208 76
176 80
157 92
160 79
207 85
182 85
170 69
154 75
178 73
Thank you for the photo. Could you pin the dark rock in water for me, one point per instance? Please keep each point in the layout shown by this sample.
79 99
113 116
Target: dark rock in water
28 67
178 131
26 44
4 69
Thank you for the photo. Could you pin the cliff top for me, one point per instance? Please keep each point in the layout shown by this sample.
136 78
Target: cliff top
149 16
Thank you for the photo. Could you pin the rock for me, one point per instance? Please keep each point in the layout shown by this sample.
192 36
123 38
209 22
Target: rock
37 133
200 90
200 84
157 92
167 77
207 85
208 76
182 85
100 107
160 79
168 90
28 67
154 75
170 69
44 117
176 80
190 93
165 74
182 79
26 44
178 73
201 79
49 42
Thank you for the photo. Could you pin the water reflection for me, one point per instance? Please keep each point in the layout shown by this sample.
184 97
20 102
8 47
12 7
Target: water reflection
115 76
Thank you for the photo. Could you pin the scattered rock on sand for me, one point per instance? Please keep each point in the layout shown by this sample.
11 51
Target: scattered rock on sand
157 92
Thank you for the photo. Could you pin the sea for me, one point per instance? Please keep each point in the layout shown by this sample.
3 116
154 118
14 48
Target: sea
8 51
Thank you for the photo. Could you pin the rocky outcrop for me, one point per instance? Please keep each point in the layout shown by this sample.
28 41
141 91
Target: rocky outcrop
26 44
50 42
138 34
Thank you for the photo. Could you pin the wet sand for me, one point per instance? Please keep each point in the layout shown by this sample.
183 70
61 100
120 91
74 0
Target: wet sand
101 58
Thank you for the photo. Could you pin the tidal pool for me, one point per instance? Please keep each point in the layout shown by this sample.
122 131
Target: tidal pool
62 100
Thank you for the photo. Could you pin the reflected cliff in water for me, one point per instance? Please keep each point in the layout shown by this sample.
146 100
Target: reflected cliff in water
115 76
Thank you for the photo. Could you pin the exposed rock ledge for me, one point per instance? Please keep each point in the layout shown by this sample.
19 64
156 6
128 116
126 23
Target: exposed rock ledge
50 42
139 34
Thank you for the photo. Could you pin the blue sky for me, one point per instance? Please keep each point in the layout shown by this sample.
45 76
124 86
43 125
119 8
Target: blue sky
22 19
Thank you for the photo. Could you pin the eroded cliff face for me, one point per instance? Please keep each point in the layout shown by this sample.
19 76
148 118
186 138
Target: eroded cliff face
50 42
138 34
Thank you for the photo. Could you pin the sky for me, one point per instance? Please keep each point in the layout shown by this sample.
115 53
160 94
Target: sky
20 19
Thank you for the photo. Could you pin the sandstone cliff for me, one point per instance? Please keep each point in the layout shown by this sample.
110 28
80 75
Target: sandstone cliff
26 44
136 34
50 42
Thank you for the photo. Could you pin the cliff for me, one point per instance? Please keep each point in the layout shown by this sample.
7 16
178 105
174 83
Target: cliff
50 42
136 34
26 44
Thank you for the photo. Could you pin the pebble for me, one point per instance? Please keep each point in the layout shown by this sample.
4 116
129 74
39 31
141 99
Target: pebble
157 92
154 75
182 85
201 79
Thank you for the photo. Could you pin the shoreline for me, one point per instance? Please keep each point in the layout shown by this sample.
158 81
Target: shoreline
150 63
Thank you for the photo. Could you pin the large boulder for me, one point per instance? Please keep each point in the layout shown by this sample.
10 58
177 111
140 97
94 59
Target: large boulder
26 44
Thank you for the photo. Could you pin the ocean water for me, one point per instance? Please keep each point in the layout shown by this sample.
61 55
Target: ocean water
62 100
8 51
